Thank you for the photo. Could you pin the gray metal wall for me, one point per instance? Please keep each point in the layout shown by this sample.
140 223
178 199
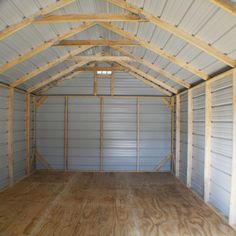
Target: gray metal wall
221 142
155 134
50 132
84 133
183 137
198 140
119 151
3 137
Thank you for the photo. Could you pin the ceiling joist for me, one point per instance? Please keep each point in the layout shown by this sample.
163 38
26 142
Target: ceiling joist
101 58
44 46
226 5
181 33
102 68
98 42
28 20
153 67
100 17
156 50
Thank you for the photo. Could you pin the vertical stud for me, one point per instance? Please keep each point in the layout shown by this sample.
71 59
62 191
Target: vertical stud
95 84
27 133
177 139
112 84
137 135
66 134
101 132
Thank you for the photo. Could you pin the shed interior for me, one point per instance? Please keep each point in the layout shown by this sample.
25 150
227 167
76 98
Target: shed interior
117 117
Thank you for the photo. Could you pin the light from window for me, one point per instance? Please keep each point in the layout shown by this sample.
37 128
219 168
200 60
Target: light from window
105 72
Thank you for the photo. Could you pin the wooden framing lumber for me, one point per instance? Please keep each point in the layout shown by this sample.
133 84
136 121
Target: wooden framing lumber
98 42
208 131
102 68
149 77
172 103
156 50
190 138
47 66
42 160
162 163
94 84
155 68
112 87
137 135
28 20
232 207
102 58
100 17
10 135
177 139
66 134
40 101
34 132
226 5
167 102
27 133
101 132
43 47
149 83
191 39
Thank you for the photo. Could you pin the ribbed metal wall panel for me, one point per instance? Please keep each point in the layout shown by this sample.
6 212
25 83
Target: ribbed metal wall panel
19 144
84 134
3 137
198 140
119 153
103 86
221 144
155 134
50 132
183 137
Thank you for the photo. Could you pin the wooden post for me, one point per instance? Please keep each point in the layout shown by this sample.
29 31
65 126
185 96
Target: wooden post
27 133
190 138
208 127
95 84
66 134
112 84
172 136
101 132
177 139
232 208
10 135
34 132
137 135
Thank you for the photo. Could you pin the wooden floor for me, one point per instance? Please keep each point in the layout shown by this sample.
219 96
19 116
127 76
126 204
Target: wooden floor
54 203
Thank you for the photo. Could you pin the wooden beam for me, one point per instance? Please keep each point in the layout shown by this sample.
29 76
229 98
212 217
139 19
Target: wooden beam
156 50
149 77
191 39
172 134
102 58
101 68
57 76
155 68
137 135
47 66
42 160
34 132
177 139
40 101
94 85
27 133
232 207
208 131
166 102
101 132
151 84
112 87
190 138
98 17
226 5
28 20
162 163
66 134
10 135
98 42
43 47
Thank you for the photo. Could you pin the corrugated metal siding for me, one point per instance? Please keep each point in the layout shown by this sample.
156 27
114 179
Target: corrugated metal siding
183 137
3 137
50 132
119 134
198 140
155 134
84 134
221 141
19 143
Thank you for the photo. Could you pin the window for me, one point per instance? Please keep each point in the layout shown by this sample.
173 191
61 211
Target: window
104 72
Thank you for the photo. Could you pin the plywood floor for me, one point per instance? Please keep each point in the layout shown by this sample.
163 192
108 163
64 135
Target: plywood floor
54 203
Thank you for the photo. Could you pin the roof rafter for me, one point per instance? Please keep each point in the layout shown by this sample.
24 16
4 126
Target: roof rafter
157 50
28 20
102 58
153 67
226 5
178 32
44 46
47 66
148 77
100 17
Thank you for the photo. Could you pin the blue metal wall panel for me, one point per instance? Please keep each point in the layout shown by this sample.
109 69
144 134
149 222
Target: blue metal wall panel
84 134
155 134
3 137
